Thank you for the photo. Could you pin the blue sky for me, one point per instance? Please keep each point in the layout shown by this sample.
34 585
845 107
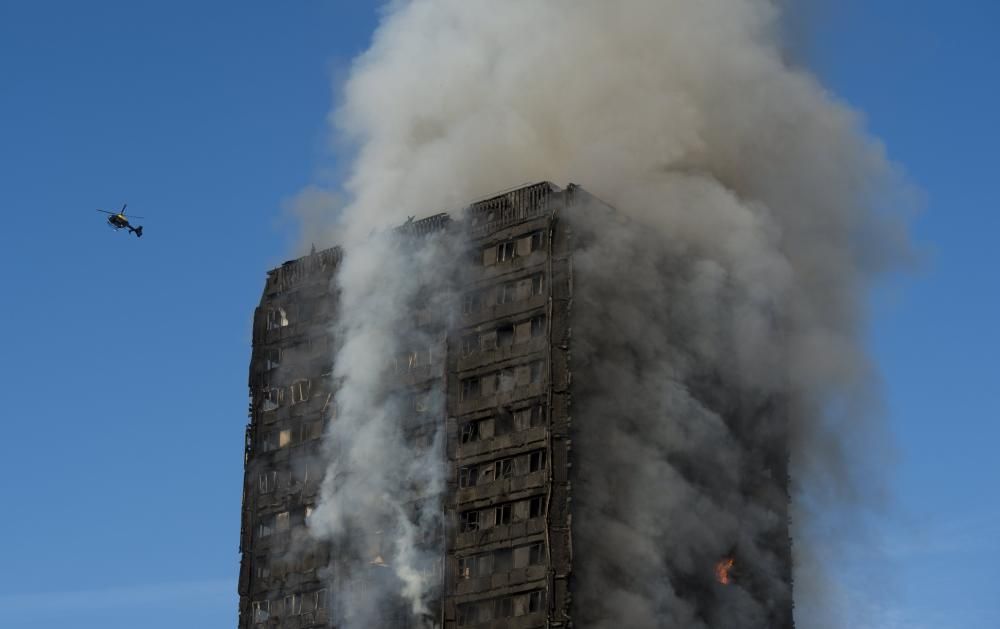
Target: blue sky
125 360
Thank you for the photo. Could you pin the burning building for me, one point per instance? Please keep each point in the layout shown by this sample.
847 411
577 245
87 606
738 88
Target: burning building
514 432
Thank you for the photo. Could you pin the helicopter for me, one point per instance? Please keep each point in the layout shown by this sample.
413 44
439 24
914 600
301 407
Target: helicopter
117 220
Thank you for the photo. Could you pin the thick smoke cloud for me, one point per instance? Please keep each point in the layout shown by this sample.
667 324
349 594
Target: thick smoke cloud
762 222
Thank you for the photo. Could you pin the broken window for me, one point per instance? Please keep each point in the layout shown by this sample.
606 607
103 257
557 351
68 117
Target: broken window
470 431
261 611
536 461
535 507
276 318
504 468
469 521
537 240
470 388
507 293
505 251
284 437
537 284
300 391
505 336
536 372
519 605
467 476
313 430
293 604
466 567
538 325
321 596
536 554
268 441
267 481
265 527
530 417
501 514
471 302
270 399
261 569
281 521
485 474
538 415
272 358
535 601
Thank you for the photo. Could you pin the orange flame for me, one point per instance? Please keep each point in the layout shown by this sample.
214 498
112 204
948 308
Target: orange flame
722 570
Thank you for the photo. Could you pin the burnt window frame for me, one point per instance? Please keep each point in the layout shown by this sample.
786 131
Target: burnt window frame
537 284
471 388
502 514
469 521
537 461
470 432
536 507
506 251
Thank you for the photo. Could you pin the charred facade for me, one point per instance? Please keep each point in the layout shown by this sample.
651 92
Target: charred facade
503 364
282 580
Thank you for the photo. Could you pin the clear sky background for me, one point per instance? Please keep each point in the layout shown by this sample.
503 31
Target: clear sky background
125 361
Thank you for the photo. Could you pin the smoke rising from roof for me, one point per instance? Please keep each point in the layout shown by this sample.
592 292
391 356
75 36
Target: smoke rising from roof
763 210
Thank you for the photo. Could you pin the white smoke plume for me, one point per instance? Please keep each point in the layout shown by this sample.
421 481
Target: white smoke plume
764 212
380 499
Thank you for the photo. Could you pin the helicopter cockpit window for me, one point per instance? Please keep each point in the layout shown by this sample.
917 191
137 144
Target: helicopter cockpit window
276 318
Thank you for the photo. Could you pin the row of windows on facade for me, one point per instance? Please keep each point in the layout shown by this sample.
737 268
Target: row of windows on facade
510 606
501 560
272 398
412 359
504 335
500 469
277 317
291 605
505 293
296 478
499 515
302 351
306 562
282 521
501 381
503 423
270 440
508 250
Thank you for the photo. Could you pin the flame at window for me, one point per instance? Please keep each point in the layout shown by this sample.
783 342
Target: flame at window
723 569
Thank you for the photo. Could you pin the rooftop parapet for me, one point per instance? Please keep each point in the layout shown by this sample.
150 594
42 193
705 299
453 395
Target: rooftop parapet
293 272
